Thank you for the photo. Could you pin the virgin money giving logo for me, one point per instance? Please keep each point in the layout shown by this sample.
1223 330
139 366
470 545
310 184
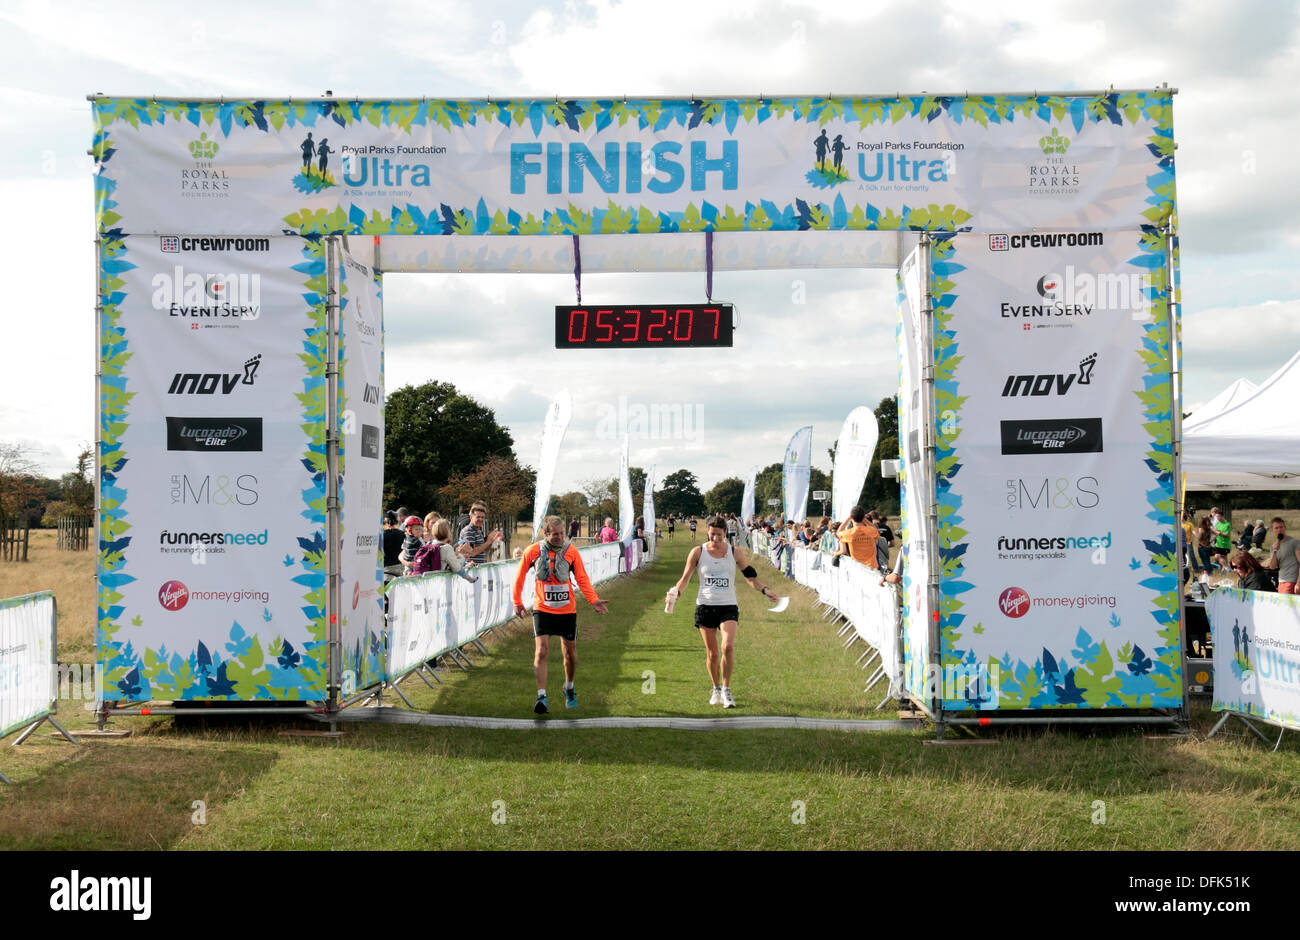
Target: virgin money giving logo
173 595
1014 602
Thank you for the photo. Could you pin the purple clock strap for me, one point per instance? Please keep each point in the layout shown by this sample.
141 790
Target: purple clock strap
708 265
577 268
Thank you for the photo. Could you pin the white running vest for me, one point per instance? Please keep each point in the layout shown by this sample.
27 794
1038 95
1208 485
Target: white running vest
717 578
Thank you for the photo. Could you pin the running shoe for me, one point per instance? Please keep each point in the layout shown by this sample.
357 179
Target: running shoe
540 707
570 698
727 700
716 697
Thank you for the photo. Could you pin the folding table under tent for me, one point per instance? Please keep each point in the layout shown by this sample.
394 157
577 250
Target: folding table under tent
240 251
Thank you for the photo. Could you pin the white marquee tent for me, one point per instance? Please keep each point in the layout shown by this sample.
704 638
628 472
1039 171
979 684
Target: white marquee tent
1252 444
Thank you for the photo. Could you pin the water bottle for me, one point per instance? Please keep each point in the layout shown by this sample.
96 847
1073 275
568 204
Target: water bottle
673 594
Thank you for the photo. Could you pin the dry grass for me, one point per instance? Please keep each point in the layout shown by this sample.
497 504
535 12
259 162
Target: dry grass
71 576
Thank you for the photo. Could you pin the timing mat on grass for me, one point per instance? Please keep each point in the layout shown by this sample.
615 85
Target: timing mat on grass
737 723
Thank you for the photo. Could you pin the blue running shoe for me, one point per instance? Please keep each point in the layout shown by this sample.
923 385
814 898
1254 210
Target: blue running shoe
540 707
570 698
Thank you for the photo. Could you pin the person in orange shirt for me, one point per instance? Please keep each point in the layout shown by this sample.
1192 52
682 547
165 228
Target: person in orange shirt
858 538
555 610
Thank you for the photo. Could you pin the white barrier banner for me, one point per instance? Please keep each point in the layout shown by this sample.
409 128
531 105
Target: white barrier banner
432 613
1013 163
797 474
361 455
28 677
1054 394
854 449
212 482
855 591
558 414
1256 654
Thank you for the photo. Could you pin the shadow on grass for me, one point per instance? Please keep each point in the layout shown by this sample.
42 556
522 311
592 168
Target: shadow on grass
125 795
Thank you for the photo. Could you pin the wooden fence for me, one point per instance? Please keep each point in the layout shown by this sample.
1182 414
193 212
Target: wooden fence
13 538
74 533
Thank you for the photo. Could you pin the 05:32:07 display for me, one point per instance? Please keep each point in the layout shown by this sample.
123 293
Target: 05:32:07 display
586 327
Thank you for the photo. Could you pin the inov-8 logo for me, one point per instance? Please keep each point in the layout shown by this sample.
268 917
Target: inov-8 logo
209 383
1049 383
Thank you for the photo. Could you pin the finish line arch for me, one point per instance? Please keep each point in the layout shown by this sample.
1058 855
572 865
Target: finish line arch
1027 230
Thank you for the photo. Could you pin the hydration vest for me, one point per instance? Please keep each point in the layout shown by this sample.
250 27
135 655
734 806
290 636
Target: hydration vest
556 566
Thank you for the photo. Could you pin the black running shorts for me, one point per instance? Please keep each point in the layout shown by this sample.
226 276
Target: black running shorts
564 626
712 616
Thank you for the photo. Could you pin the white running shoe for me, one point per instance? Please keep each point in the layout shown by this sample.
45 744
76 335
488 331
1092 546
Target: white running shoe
716 697
727 700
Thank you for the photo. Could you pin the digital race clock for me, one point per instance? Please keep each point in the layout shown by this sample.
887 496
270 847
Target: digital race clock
648 325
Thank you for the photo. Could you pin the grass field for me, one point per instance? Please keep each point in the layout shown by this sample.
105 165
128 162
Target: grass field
386 786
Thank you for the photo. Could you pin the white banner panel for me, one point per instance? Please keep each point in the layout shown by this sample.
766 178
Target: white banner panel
519 167
914 478
747 498
797 474
361 457
627 510
558 414
648 510
1256 654
1051 358
212 427
28 678
853 452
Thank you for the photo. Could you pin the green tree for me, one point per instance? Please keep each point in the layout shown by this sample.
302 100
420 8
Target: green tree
766 487
433 433
680 494
725 496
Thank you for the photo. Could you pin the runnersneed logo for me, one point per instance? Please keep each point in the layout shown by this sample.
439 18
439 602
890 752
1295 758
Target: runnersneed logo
1052 436
214 434
1049 383
173 595
1046 547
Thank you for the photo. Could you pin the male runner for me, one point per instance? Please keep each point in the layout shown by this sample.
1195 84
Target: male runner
555 610
715 604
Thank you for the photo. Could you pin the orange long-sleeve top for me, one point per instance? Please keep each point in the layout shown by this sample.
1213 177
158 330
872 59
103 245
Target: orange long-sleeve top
553 596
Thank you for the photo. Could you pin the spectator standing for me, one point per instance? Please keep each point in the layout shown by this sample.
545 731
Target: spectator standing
412 544
1205 544
1285 557
1222 536
607 532
392 542
573 529
473 543
1259 533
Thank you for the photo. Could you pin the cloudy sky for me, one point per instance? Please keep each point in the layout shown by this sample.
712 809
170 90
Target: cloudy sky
1233 64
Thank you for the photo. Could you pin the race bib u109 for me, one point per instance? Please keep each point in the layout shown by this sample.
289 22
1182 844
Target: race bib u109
555 595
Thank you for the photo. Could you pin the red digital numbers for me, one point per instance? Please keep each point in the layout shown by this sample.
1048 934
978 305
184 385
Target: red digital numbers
689 320
717 318
650 330
573 318
609 330
636 324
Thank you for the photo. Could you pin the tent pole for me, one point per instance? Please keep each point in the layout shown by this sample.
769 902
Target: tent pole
929 419
332 520
1173 319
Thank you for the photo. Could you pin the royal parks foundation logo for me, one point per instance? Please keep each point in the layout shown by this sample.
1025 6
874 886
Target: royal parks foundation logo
206 178
1054 173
